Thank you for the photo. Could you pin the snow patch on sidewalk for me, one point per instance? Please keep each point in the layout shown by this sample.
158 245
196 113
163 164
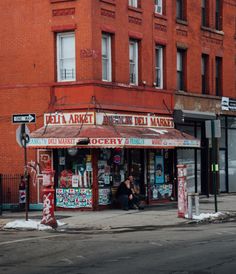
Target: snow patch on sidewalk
204 216
30 224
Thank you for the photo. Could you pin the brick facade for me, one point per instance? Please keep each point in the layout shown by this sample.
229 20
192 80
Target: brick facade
28 59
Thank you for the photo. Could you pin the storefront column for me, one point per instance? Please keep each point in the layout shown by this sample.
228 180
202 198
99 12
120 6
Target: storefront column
95 178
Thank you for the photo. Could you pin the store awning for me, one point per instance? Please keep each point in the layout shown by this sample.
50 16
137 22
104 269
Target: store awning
110 137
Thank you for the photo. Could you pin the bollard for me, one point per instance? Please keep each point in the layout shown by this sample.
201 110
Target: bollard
192 196
190 207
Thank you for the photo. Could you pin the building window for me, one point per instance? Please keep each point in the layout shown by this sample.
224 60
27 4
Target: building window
205 13
159 6
180 9
133 3
66 57
133 62
218 15
218 76
180 69
159 67
106 58
205 74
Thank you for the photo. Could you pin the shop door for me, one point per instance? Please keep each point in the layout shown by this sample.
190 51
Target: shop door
136 164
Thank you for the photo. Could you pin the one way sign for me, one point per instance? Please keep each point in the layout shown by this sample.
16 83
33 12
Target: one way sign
23 118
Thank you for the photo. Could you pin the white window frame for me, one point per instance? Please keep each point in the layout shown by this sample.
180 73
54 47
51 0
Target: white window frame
159 66
61 60
106 58
133 3
133 62
159 6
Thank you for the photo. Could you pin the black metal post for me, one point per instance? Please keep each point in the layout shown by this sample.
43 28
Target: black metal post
24 142
214 166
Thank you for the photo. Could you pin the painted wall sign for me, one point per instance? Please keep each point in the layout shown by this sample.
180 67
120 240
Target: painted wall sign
63 119
113 142
134 120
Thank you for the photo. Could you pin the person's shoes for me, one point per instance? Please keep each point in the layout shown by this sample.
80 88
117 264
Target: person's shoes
125 208
134 207
141 207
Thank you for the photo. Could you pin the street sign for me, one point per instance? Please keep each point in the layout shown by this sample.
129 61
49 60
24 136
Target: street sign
23 118
19 137
213 129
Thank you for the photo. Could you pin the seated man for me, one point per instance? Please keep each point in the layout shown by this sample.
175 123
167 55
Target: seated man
124 194
137 196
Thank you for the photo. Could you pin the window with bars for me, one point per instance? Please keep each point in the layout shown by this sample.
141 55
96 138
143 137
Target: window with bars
159 6
134 3
133 62
106 58
159 67
66 57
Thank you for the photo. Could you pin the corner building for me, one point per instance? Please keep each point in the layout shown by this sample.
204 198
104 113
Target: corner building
118 87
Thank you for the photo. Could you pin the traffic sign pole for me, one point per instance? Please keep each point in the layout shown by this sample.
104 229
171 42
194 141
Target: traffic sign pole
24 142
22 137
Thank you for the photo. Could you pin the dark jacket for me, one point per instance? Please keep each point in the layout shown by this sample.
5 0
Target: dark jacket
123 190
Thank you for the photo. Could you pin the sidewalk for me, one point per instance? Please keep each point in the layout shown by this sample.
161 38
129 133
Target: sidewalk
114 219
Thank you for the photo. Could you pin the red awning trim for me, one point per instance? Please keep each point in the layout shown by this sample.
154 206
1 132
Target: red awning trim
110 137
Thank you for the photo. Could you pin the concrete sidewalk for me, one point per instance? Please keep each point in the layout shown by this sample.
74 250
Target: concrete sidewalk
152 216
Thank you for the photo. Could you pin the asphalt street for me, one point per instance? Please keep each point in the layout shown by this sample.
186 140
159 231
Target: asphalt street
180 249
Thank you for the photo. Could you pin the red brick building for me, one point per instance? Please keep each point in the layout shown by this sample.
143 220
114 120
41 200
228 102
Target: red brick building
126 64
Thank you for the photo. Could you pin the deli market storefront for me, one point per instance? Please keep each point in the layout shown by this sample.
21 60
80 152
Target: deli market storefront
93 152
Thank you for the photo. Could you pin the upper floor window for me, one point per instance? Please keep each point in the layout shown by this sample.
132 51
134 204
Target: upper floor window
133 3
133 62
218 15
205 13
159 67
218 76
66 56
159 6
205 73
181 9
106 57
180 69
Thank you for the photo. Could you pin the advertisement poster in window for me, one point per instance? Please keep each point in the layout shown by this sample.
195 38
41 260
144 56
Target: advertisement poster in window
159 170
45 159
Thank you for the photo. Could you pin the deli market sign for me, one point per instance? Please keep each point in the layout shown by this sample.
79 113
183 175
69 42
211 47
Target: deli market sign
134 120
107 119
113 142
68 119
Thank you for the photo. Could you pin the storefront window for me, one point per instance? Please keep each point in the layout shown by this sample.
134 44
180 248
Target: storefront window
222 171
231 159
186 157
74 178
160 163
111 172
231 122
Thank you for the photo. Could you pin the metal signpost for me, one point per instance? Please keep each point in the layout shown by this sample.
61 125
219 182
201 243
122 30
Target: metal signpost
213 131
23 138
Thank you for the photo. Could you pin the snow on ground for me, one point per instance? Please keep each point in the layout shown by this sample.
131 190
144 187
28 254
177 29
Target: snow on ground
203 216
30 224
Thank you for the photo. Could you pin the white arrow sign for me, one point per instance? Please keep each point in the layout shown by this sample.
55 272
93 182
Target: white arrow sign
23 118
